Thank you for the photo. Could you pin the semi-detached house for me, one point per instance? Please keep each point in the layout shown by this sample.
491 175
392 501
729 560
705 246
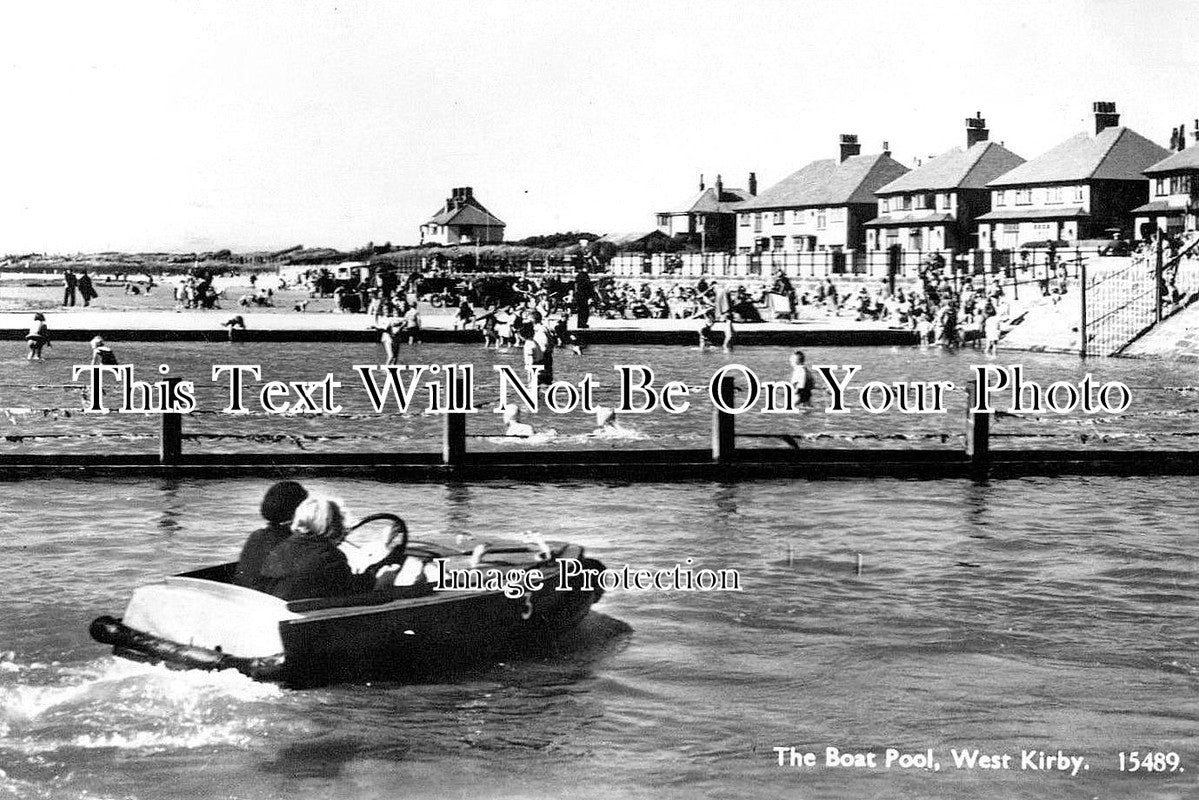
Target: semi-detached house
1085 188
823 206
934 207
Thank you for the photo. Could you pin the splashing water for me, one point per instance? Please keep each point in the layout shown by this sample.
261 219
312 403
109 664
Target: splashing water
113 703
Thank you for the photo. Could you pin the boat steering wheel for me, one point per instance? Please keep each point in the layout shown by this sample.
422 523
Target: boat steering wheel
399 531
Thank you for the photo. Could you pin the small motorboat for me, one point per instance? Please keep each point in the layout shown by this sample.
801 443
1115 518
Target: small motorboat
446 608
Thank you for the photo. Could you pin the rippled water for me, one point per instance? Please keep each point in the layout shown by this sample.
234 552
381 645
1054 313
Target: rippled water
1036 613
41 403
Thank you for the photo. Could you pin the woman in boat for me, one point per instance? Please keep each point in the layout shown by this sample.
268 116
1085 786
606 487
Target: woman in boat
278 507
308 563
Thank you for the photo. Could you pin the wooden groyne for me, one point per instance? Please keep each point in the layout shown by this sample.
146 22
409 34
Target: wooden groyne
724 459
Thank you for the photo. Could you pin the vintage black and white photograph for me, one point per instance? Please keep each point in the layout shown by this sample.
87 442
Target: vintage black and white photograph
599 400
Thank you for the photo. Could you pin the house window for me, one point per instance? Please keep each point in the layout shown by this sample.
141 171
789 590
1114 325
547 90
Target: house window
663 220
821 221
744 219
1011 227
1001 197
1024 197
780 217
907 202
884 204
776 243
757 222
1078 194
1180 184
945 201
1053 194
1159 187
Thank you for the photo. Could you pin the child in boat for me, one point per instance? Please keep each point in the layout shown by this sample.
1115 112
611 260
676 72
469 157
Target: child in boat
38 337
278 507
102 353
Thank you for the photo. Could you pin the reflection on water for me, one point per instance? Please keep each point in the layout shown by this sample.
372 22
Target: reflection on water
1000 614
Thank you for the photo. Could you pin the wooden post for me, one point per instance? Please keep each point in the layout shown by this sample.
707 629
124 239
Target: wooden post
724 435
170 447
453 441
978 432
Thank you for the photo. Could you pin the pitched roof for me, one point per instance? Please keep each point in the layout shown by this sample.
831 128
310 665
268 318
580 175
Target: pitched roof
1064 212
706 202
1184 159
470 213
828 183
1159 206
632 237
957 169
1117 153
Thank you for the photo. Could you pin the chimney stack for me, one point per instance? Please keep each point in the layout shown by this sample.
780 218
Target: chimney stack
1196 132
849 146
976 130
886 148
701 181
1182 136
719 187
1105 116
1173 139
753 176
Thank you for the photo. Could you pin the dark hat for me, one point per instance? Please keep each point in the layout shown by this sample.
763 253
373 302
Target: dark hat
280 501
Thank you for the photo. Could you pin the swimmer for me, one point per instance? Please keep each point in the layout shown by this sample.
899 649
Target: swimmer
102 353
705 329
38 337
566 338
728 333
512 423
801 379
234 323
605 419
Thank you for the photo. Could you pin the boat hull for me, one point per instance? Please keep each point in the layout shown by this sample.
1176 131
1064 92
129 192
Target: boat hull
360 637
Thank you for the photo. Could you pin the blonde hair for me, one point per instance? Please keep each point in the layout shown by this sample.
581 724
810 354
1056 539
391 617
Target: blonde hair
319 517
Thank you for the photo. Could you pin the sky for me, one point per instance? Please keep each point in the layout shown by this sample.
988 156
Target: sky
188 126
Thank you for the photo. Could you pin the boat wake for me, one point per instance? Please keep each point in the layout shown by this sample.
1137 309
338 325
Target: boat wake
114 704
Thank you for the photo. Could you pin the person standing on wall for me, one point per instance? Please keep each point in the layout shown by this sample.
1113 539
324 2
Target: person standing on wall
68 287
87 292
583 293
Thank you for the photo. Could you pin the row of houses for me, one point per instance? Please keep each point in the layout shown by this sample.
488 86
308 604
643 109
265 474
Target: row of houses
1112 183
